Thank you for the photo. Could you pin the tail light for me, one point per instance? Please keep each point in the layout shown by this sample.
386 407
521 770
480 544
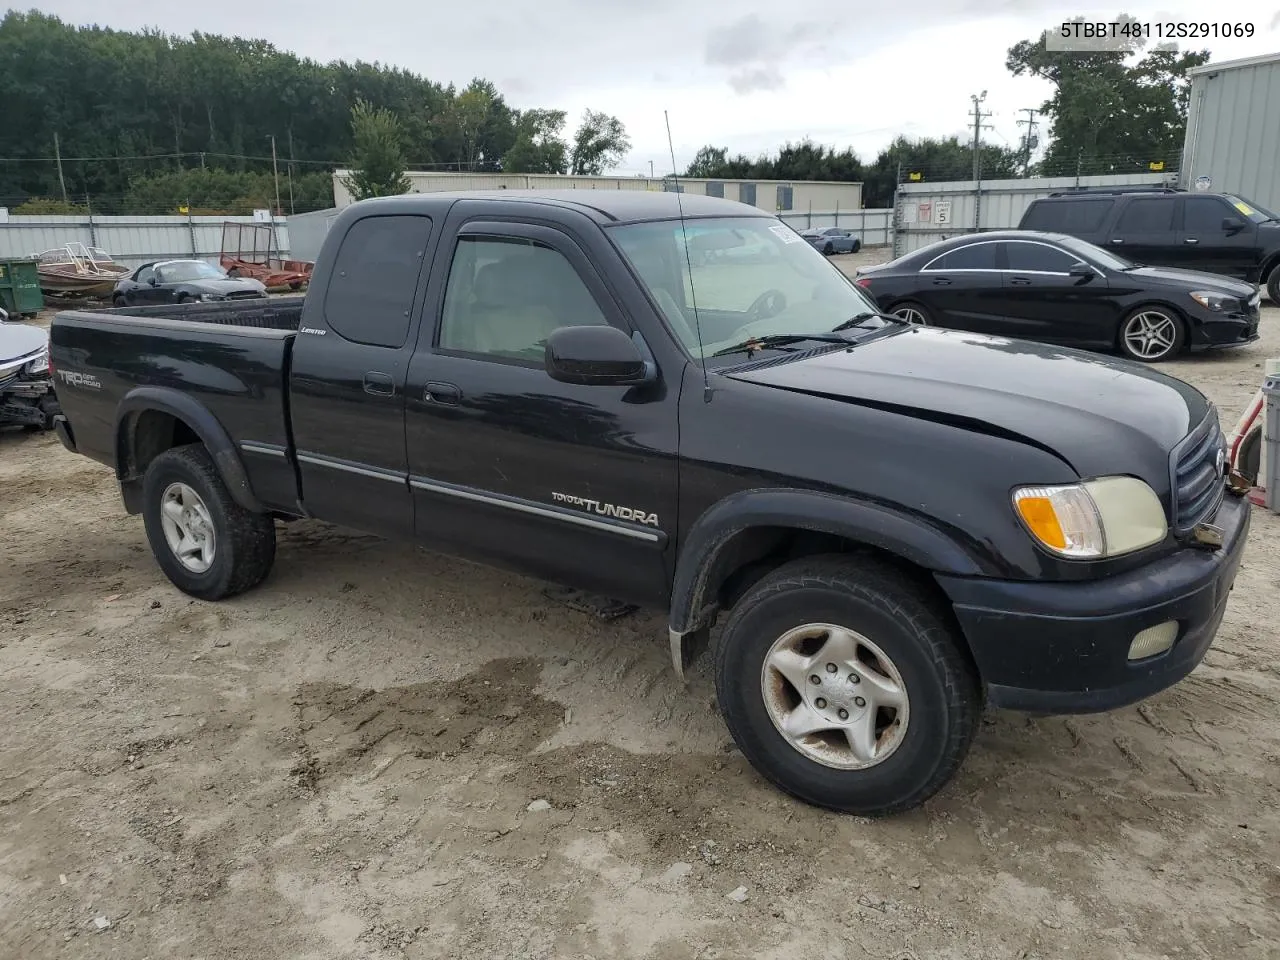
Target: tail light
864 282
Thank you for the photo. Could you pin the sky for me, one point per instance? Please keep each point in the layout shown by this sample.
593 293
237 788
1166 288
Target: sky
748 75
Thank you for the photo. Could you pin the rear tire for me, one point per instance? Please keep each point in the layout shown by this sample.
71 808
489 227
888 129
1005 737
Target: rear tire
118 301
827 249
208 545
857 245
912 312
1273 285
873 755
1151 334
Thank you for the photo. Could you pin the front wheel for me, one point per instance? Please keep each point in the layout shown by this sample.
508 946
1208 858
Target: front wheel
1273 285
841 683
1151 334
855 246
207 544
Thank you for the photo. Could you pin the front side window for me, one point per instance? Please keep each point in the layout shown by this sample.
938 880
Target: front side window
506 295
735 278
1202 215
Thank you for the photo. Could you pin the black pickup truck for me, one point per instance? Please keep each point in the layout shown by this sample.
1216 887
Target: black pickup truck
677 402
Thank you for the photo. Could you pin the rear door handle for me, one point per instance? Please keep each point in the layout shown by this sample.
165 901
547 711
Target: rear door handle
1190 240
379 384
1116 240
437 392
1020 282
941 282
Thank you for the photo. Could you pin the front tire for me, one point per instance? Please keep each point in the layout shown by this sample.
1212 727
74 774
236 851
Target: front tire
881 732
1273 285
1151 334
857 245
208 545
827 249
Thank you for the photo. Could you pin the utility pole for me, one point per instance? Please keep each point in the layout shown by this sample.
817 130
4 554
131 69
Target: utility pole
57 153
1029 139
978 117
650 169
275 167
291 169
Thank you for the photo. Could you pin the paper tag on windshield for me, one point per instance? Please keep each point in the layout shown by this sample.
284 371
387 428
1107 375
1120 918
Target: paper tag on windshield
1243 207
785 234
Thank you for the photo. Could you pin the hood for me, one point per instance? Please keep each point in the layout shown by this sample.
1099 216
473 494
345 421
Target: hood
1194 280
21 340
1102 415
223 287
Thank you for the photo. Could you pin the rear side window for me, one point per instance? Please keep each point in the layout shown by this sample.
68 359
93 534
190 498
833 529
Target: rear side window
374 277
1067 216
1038 258
976 256
1147 216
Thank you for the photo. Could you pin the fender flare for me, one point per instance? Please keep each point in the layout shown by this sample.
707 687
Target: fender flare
202 423
913 538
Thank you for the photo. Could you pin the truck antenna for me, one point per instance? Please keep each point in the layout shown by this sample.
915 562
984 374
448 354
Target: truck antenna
697 322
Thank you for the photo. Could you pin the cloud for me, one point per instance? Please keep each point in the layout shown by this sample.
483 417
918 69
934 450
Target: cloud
756 52
756 78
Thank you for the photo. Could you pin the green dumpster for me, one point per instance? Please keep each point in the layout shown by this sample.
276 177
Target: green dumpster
20 292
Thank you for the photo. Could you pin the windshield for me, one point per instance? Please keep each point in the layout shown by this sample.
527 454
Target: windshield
184 270
748 276
1250 209
1099 256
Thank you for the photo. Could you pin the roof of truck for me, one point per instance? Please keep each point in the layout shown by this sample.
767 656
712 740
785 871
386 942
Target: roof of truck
605 206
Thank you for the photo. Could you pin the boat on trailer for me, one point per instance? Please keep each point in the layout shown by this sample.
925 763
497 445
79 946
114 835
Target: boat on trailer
77 270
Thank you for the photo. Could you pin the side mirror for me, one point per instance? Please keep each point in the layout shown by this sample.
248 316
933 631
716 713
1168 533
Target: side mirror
1081 270
1232 225
151 280
594 356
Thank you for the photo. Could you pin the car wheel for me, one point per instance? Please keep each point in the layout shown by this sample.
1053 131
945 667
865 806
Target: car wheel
855 246
1151 334
913 313
1273 285
827 248
118 300
842 684
207 544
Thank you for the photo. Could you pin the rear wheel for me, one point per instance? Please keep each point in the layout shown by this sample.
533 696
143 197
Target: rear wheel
912 312
118 300
1151 334
827 248
857 245
842 684
1273 285
207 544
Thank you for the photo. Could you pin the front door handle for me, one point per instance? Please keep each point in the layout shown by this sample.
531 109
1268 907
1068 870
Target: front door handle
437 392
379 384
1190 240
1020 282
1116 240
942 282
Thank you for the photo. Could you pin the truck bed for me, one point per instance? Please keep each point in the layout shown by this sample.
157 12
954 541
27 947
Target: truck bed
272 313
231 358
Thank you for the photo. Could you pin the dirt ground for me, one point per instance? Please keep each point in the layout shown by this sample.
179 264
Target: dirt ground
382 753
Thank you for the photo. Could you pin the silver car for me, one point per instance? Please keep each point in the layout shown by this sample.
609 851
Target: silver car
832 240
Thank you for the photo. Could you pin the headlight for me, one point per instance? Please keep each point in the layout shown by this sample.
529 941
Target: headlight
40 364
1093 519
209 297
1216 301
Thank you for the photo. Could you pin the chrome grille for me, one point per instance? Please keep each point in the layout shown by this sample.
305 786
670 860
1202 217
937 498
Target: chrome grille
1197 484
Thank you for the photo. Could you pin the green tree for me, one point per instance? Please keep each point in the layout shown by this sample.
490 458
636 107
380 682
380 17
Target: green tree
599 144
1109 113
539 146
377 160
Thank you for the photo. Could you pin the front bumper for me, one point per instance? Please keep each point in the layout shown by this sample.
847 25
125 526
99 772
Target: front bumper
1063 647
27 401
1216 330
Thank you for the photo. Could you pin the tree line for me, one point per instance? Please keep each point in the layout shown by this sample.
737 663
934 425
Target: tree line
147 122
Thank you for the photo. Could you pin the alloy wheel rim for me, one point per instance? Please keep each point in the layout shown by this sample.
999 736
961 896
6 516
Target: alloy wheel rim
1150 334
835 696
911 315
188 527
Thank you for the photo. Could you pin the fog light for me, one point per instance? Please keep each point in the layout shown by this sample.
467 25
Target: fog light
1153 640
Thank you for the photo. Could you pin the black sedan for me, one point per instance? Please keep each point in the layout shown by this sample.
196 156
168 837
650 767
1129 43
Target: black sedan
182 281
1057 289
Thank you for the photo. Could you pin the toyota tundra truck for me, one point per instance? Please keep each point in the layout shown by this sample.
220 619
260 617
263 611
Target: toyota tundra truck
674 401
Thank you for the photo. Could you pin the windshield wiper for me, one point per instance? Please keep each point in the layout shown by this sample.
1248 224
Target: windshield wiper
782 339
859 319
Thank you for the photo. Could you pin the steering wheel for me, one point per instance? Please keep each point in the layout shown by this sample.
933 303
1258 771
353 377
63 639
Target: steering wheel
768 304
